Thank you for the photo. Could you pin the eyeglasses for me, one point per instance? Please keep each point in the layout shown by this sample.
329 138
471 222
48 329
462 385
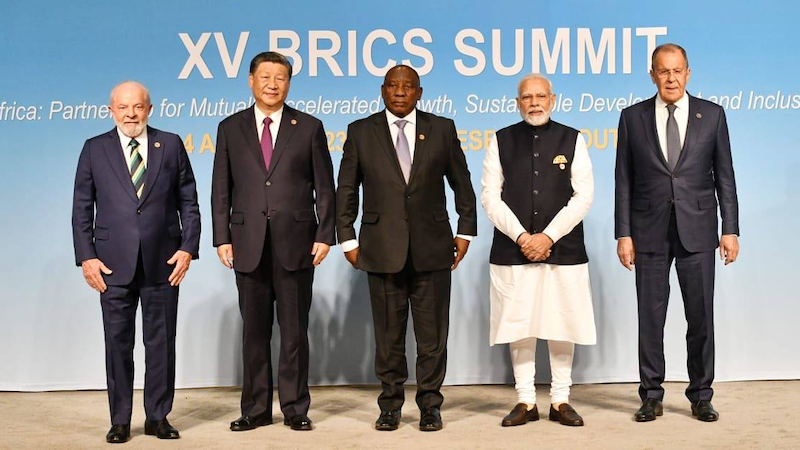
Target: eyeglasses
664 73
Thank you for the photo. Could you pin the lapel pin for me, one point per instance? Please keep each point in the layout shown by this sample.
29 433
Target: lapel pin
157 145
699 116
294 122
421 137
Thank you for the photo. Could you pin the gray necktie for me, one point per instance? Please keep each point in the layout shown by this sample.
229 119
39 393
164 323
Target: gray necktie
403 151
673 138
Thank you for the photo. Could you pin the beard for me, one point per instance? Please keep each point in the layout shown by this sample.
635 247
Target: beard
131 130
535 120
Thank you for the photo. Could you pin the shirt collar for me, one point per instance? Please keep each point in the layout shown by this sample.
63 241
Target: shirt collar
411 117
125 140
682 103
260 116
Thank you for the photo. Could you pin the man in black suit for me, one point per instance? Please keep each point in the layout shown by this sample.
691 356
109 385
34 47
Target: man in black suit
136 229
673 167
272 169
401 156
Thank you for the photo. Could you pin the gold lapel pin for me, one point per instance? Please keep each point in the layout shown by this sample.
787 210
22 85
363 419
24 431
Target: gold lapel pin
157 145
294 122
421 137
699 116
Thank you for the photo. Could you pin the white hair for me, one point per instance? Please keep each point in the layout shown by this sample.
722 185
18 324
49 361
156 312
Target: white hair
535 76
129 82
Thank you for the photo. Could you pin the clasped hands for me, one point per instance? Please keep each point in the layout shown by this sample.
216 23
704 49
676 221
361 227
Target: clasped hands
535 247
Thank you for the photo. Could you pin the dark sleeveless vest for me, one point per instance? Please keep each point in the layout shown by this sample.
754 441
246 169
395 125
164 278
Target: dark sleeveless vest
536 188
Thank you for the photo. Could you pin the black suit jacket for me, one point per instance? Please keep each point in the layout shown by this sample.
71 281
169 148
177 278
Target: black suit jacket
244 193
646 189
398 217
110 223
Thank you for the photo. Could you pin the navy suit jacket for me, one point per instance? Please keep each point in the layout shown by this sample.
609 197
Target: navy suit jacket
296 194
646 189
110 223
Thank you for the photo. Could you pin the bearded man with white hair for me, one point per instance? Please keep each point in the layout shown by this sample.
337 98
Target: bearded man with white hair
537 187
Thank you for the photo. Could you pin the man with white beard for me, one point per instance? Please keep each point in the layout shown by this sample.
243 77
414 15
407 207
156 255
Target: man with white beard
537 187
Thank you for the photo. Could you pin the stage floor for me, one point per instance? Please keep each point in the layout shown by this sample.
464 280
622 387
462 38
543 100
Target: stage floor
752 415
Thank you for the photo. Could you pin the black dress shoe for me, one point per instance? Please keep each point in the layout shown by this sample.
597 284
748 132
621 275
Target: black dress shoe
299 422
566 415
245 423
119 434
650 408
160 429
520 415
430 420
705 411
388 420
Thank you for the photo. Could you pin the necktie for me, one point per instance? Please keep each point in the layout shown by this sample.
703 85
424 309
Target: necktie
137 168
673 138
403 151
266 143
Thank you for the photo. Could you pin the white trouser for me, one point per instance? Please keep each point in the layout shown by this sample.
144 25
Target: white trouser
523 359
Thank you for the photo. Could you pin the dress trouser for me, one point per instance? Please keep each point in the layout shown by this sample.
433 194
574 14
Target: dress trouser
696 279
290 291
428 294
159 318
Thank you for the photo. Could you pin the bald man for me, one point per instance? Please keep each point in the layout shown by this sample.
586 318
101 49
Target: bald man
136 229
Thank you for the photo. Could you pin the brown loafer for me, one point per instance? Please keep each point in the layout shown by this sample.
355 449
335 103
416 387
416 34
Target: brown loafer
520 415
566 415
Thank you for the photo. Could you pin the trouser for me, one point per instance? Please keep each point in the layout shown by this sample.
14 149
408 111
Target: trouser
290 292
159 318
523 360
428 294
696 279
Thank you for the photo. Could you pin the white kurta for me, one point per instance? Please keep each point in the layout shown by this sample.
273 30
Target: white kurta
545 301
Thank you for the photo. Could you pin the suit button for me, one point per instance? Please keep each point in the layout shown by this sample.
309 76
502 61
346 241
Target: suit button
405 218
268 183
536 173
139 212
535 155
535 212
263 213
408 196
536 136
669 200
674 177
535 192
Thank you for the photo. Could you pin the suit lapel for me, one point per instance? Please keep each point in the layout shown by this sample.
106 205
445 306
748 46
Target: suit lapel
116 160
285 131
423 125
650 130
155 155
693 126
250 133
381 126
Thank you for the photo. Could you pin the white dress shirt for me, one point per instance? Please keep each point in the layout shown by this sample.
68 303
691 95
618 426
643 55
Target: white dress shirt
681 117
410 131
273 127
126 148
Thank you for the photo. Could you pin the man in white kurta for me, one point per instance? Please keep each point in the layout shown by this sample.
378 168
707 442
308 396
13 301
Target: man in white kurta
542 291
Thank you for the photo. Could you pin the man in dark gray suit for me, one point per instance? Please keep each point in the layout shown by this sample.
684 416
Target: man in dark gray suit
401 157
272 204
673 167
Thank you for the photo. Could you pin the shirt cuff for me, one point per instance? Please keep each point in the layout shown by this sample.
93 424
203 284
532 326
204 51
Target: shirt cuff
465 237
349 245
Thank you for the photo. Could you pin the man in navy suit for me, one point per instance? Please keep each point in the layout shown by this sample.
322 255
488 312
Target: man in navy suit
673 168
136 228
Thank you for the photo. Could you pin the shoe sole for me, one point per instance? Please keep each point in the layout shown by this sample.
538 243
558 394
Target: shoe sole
508 424
385 428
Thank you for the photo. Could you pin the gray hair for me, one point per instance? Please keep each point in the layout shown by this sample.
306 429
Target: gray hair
535 76
131 82
668 47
